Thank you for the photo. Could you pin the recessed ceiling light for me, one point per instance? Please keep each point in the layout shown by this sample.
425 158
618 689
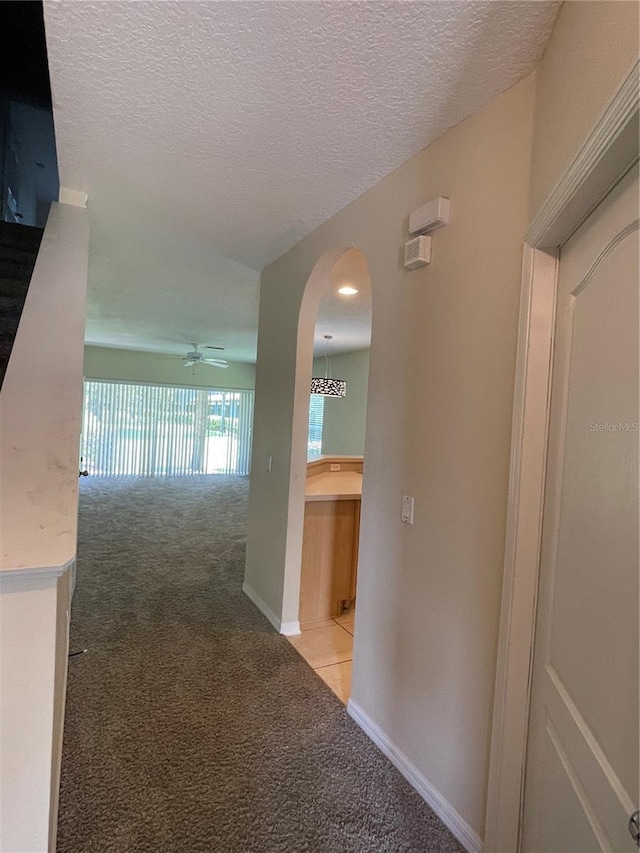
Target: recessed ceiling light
347 290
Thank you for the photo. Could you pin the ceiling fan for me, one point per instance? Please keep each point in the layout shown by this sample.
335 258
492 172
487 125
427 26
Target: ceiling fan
194 356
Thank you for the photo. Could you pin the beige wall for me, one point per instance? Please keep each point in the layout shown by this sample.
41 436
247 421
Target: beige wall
438 428
593 47
127 365
345 418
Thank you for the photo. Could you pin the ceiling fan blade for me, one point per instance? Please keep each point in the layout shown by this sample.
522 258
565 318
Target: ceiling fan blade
216 362
218 348
189 362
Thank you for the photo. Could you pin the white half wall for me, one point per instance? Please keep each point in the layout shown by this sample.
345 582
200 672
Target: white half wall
40 417
27 666
34 644
41 403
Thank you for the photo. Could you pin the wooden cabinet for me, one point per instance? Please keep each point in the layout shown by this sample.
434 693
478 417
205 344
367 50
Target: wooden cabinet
330 541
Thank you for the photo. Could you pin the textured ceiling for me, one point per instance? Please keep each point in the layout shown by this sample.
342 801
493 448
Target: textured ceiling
157 290
240 126
346 318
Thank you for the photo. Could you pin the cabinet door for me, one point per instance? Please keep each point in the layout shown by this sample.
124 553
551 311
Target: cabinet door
330 530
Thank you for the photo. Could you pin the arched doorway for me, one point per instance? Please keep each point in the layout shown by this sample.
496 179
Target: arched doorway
279 463
336 306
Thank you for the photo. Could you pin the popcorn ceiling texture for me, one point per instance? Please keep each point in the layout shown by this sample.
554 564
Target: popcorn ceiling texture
267 118
250 123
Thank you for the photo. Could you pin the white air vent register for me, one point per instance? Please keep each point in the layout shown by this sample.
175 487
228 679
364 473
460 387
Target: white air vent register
417 252
429 217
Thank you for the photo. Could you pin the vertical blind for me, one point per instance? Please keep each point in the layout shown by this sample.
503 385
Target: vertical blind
316 418
158 430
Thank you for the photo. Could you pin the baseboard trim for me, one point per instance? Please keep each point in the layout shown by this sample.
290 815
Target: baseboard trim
286 628
37 572
468 837
289 629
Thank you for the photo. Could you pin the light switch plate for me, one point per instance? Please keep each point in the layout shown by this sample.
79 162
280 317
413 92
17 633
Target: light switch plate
407 509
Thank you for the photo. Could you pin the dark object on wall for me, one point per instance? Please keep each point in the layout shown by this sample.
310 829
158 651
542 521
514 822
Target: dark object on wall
19 247
24 68
29 179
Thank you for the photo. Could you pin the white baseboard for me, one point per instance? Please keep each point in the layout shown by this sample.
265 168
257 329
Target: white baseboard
287 628
468 837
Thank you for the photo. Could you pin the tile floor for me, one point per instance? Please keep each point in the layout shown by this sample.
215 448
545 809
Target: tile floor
328 649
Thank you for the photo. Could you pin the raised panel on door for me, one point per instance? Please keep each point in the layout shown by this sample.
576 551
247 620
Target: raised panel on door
583 741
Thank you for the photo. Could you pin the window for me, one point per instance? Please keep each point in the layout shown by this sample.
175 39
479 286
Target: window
316 416
160 430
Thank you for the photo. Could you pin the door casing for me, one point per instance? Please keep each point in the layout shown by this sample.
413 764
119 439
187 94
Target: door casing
611 149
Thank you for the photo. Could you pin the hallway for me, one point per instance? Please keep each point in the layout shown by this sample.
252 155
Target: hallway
191 725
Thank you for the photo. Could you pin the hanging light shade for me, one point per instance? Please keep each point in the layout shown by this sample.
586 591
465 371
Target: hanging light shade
325 385
329 387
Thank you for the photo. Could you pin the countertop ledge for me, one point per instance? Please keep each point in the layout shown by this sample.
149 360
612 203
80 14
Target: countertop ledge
334 486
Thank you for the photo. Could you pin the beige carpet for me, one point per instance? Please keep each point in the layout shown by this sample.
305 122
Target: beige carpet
191 724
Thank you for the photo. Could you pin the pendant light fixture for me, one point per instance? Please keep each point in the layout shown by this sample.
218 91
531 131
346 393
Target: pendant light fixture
325 385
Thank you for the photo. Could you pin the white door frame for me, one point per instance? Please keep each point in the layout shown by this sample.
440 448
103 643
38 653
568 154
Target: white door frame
610 150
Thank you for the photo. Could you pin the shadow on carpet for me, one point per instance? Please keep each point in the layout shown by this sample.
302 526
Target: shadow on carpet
191 725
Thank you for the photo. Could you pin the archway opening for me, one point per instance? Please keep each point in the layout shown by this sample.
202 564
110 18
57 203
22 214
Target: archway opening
334 338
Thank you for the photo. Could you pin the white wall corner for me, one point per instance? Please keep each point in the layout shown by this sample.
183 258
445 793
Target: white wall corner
467 836
290 629
74 197
31 572
286 628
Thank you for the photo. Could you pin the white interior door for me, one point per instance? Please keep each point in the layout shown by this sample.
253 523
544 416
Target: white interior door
581 779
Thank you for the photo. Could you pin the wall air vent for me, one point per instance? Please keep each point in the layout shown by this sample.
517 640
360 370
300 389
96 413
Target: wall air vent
417 252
